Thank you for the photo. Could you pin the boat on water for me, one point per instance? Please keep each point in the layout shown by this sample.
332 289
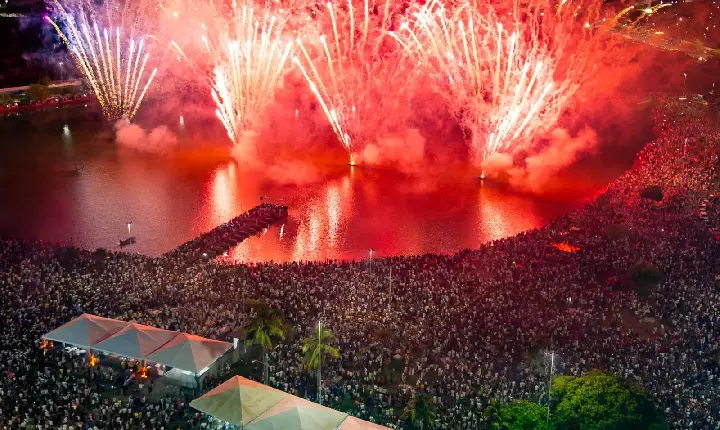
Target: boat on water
127 242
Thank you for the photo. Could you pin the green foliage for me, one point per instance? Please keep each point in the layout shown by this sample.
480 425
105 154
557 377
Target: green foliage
267 325
37 92
6 99
645 277
520 415
601 401
652 192
419 413
317 347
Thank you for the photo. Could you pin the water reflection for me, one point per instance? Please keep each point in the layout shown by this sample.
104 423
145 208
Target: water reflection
172 199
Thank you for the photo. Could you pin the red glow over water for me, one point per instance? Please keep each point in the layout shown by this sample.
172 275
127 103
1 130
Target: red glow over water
171 199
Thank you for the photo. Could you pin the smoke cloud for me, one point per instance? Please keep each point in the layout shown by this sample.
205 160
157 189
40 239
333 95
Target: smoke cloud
537 170
158 140
405 152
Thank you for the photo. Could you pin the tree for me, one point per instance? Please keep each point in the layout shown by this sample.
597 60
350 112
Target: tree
315 348
645 277
6 99
520 415
37 92
652 192
267 324
616 231
419 413
601 401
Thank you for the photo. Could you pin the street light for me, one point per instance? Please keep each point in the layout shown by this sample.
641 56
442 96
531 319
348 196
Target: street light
685 84
370 252
552 368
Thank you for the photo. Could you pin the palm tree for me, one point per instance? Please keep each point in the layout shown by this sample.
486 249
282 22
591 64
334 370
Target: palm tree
419 412
314 349
267 324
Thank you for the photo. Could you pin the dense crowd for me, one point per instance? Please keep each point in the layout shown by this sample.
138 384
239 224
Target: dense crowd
10 105
230 233
468 327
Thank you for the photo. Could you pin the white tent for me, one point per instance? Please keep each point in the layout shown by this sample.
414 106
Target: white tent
136 341
86 331
352 423
190 352
294 413
186 352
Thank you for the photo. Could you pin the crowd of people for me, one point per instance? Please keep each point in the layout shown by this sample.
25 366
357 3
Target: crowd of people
468 327
230 233
12 105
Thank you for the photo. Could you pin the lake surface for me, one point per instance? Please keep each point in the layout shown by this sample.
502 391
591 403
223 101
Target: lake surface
172 198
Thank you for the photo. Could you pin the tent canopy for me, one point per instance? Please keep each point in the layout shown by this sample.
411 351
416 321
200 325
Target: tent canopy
171 348
352 423
294 413
243 402
86 331
136 341
189 352
238 400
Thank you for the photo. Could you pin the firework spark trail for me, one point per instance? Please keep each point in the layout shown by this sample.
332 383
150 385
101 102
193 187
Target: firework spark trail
247 57
115 86
347 72
505 81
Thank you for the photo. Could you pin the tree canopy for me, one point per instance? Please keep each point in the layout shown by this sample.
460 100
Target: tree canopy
645 277
520 415
652 192
419 413
601 401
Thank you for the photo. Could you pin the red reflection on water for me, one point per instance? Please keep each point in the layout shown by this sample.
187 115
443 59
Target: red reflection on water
502 214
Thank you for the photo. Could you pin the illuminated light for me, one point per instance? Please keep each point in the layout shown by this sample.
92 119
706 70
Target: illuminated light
247 58
648 10
509 82
182 121
114 68
350 75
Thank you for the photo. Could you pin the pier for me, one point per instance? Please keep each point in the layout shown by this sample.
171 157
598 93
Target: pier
227 235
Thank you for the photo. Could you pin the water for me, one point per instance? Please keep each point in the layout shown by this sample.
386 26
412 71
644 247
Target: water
171 199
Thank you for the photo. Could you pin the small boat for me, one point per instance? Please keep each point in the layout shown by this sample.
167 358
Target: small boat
127 242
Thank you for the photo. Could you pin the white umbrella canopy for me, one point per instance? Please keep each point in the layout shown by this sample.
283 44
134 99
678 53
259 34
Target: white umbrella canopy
238 400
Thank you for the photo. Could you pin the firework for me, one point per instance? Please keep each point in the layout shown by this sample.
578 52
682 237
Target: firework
506 75
350 71
243 60
112 62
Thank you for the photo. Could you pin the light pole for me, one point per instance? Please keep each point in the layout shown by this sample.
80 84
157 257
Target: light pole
552 366
685 84
62 71
319 377
370 252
